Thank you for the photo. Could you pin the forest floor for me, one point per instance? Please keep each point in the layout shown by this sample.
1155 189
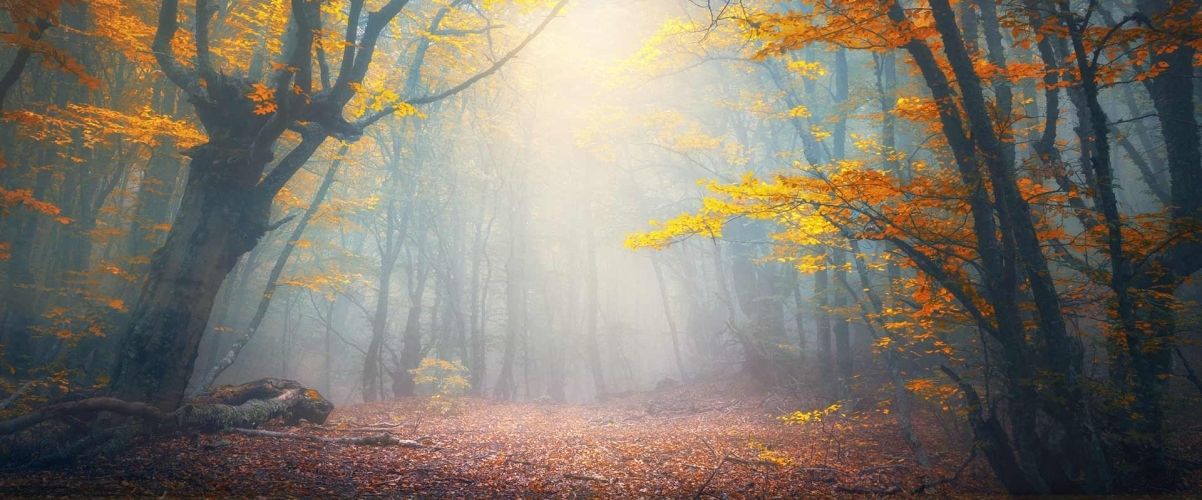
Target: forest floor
707 440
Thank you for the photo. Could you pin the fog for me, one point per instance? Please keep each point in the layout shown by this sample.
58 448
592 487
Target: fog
528 172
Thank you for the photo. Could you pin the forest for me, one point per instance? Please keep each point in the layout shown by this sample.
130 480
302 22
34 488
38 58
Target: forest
600 248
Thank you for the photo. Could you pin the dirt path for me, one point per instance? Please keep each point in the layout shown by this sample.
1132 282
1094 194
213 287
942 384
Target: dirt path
653 445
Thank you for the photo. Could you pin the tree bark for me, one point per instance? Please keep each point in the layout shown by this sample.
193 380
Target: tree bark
221 218
273 279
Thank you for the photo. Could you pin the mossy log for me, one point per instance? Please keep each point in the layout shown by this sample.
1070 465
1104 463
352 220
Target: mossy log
247 405
254 403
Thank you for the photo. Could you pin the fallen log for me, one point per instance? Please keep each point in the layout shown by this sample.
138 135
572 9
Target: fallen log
383 439
246 405
253 404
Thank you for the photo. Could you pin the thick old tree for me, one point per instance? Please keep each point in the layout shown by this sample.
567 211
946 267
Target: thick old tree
227 200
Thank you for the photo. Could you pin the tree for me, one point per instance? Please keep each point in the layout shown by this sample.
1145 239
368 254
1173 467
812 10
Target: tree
227 199
1012 286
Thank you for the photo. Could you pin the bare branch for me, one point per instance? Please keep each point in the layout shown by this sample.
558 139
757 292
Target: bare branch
376 22
204 60
496 66
168 24
348 43
293 161
18 65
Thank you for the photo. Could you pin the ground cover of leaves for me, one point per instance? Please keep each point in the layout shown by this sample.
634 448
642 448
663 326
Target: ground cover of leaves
706 440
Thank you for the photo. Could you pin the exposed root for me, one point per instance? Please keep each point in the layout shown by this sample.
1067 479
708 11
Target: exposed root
83 407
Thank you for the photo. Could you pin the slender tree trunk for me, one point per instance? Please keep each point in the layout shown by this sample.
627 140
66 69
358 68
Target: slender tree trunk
21 296
842 331
822 323
412 351
592 306
515 288
13 74
479 300
663 295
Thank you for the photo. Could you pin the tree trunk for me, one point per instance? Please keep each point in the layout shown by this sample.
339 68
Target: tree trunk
273 279
21 295
221 217
478 301
822 323
663 295
411 352
842 327
591 306
515 288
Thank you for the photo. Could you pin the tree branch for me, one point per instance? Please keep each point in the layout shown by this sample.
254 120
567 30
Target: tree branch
168 24
370 119
348 43
204 60
9 80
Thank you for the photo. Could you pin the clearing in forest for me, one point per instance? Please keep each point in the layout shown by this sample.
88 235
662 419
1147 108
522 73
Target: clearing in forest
706 440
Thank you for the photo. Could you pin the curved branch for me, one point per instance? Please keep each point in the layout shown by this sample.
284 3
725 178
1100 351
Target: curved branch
291 163
928 266
204 60
496 66
168 24
18 65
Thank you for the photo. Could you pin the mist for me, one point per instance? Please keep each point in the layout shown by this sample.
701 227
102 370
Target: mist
957 240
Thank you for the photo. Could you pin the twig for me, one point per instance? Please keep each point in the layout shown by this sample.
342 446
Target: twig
711 478
276 225
532 464
892 490
742 461
707 445
583 477
385 425
374 440
883 467
1189 370
819 469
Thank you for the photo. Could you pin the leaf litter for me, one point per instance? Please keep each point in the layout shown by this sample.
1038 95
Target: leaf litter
722 439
